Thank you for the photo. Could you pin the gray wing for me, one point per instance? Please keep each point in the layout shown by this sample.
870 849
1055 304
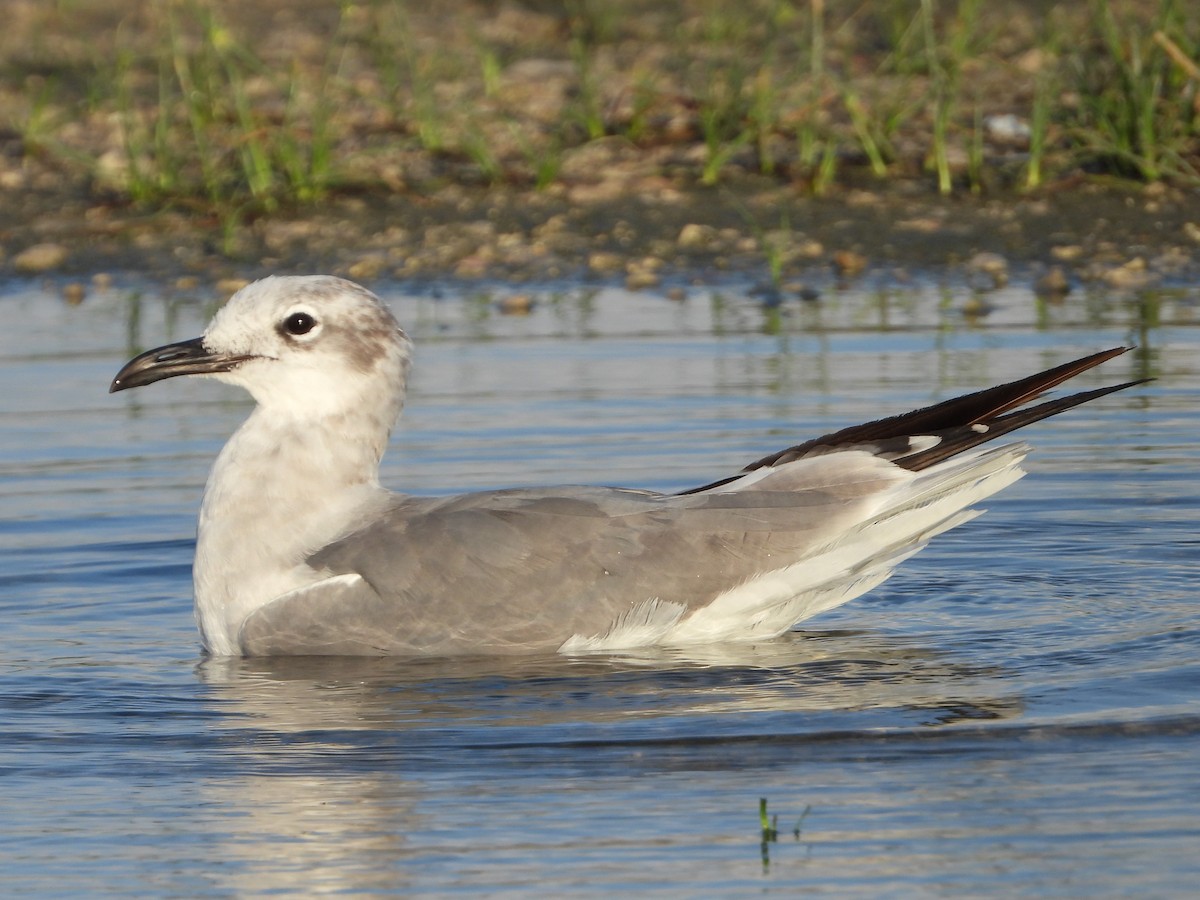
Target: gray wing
525 570
337 616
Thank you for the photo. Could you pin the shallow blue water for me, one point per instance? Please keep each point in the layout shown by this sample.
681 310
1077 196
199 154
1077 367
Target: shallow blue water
1016 711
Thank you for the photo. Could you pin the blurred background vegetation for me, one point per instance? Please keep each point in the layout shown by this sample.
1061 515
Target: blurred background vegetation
234 109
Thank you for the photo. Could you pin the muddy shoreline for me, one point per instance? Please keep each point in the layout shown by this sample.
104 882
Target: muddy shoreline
756 232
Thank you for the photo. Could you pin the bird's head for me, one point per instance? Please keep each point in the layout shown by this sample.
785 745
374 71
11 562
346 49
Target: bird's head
308 345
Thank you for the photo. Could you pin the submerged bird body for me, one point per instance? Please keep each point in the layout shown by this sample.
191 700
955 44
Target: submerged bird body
301 551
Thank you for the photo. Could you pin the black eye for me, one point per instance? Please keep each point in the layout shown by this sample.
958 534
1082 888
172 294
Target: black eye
299 323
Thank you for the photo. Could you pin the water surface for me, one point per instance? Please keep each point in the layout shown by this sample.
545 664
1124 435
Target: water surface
1016 711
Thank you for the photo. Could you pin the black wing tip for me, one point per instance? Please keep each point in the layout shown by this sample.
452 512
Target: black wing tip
1002 409
960 439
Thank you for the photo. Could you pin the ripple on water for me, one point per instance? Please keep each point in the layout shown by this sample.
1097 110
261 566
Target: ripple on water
1016 711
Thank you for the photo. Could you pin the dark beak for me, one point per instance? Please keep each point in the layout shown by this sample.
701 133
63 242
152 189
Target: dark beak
185 358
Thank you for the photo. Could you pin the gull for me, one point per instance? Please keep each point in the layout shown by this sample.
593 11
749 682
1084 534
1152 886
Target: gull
301 551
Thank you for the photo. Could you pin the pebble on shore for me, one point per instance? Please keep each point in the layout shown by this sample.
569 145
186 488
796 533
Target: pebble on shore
40 258
988 271
1053 285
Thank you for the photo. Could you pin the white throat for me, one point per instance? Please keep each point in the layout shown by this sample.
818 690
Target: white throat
282 487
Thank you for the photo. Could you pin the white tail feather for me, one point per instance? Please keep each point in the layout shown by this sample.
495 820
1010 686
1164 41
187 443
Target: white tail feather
924 506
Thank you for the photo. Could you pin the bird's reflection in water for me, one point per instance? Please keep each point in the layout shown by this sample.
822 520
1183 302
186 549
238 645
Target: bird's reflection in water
804 675
342 768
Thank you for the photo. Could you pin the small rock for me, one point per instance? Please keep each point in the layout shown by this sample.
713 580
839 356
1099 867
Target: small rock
515 305
280 235
1066 252
921 224
642 273
1132 274
476 265
112 169
13 179
40 258
597 160
1191 231
975 307
639 279
1033 61
677 294
1054 285
696 237
988 267
1008 129
863 199
556 224
1171 261
74 292
230 286
367 267
102 281
604 262
810 249
607 190
187 283
848 263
